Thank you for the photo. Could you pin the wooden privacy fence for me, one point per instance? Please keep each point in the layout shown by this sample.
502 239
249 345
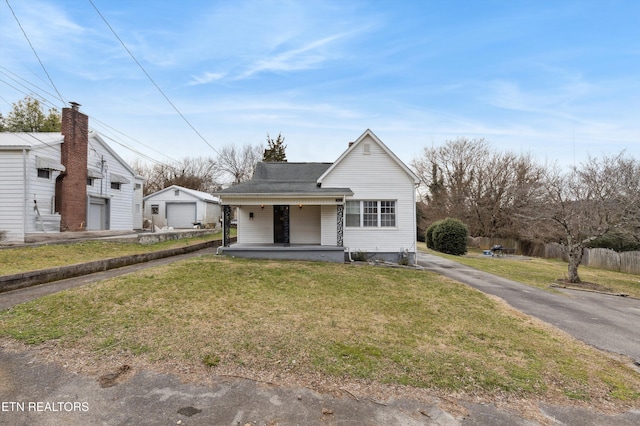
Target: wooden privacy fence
627 262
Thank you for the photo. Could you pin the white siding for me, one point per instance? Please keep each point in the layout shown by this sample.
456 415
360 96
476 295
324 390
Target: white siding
304 224
376 176
41 190
258 230
12 195
121 201
137 203
329 226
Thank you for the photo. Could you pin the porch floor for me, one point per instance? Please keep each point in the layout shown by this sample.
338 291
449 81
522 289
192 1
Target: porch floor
286 252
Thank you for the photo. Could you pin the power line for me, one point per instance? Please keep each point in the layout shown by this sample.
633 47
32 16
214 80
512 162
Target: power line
34 52
13 76
45 101
151 79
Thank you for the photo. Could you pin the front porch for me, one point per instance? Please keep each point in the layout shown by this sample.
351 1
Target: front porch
286 252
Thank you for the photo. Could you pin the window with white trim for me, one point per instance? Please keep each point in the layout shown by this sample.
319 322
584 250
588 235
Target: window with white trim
370 213
352 213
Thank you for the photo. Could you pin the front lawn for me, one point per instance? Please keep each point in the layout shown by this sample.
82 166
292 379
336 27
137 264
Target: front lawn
542 273
28 258
311 320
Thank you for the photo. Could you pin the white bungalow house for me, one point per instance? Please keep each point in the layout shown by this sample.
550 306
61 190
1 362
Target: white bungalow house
68 181
362 203
179 207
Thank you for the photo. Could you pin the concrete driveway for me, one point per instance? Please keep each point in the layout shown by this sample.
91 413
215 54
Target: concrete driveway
606 322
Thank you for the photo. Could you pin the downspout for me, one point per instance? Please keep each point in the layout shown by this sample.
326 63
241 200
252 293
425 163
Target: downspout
25 190
415 224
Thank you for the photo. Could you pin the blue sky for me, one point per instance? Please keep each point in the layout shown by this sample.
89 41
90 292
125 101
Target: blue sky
557 79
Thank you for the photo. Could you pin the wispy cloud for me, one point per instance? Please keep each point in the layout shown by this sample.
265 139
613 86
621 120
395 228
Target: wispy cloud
302 58
205 78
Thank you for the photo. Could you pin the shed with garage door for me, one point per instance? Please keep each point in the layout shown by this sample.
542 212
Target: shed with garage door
179 208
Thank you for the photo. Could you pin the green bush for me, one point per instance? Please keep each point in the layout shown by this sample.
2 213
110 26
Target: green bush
616 241
428 234
450 236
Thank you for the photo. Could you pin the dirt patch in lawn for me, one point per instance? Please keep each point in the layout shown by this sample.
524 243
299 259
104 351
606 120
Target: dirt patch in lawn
585 286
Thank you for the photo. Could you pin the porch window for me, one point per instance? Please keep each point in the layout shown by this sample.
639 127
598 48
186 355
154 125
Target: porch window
371 214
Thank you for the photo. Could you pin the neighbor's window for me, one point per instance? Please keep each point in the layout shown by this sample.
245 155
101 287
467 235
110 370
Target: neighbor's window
371 214
44 173
89 181
115 185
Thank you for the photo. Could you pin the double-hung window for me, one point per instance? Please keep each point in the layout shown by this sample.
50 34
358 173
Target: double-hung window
370 213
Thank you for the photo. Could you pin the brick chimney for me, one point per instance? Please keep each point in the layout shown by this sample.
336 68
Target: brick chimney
71 185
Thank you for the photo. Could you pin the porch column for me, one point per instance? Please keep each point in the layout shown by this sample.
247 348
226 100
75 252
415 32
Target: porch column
340 224
226 229
285 226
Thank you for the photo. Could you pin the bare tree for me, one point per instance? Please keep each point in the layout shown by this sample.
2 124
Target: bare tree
237 165
600 197
193 173
467 180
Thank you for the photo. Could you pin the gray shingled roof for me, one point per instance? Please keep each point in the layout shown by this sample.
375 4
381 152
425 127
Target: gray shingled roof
286 178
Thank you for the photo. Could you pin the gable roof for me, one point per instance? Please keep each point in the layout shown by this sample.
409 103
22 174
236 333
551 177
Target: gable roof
95 136
33 140
29 140
286 178
353 146
203 196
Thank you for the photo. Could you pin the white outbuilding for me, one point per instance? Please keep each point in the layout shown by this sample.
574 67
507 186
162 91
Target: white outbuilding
178 207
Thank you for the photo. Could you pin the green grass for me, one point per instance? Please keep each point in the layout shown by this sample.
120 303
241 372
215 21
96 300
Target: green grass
542 273
386 325
29 258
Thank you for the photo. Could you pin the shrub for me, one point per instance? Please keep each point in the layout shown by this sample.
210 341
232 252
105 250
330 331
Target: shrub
359 256
450 236
428 234
616 241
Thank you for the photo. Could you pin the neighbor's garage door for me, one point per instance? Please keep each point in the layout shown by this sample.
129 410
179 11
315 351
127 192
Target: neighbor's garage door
181 215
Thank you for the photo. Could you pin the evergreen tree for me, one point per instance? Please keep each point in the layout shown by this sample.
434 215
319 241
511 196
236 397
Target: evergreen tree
275 151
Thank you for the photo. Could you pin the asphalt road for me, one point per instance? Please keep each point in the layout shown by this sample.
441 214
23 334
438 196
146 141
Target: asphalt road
610 323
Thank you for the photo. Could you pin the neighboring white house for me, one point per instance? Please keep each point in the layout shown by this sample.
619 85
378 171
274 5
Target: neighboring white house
114 189
178 207
70 181
364 202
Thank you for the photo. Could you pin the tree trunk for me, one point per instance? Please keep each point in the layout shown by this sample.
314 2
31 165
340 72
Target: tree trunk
575 258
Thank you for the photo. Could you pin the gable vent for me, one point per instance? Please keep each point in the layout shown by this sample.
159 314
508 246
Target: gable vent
366 149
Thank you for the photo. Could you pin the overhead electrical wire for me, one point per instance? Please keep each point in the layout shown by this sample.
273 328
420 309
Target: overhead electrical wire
152 80
34 52
46 102
31 92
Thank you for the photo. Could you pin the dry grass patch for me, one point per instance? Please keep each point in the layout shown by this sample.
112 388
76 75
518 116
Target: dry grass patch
342 322
28 258
542 273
